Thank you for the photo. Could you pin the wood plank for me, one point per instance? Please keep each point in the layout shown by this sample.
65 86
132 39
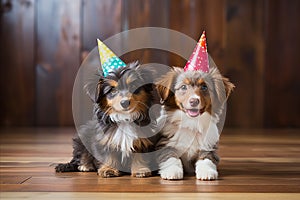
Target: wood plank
147 196
13 179
151 13
282 64
192 17
244 62
101 19
17 77
146 188
58 59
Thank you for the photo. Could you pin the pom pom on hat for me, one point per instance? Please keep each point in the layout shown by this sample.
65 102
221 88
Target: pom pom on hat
109 60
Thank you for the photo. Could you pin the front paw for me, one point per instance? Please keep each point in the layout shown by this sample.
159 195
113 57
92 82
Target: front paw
107 172
66 167
171 169
86 168
141 173
206 170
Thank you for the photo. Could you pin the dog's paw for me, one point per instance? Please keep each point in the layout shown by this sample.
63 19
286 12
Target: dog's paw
206 170
86 168
171 169
66 167
141 173
106 172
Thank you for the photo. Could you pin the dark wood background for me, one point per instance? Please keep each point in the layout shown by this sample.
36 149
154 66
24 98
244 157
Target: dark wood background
256 43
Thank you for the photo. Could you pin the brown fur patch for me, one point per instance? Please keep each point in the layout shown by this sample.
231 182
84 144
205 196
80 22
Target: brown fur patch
199 82
112 83
187 81
142 144
129 80
138 101
207 102
106 171
164 86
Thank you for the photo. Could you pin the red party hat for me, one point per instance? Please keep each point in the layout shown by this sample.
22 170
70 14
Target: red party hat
199 58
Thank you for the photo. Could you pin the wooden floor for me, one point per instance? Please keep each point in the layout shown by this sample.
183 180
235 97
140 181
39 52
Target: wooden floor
262 163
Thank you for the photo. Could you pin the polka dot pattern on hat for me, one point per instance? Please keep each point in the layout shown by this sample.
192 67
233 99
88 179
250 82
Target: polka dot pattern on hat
112 64
109 61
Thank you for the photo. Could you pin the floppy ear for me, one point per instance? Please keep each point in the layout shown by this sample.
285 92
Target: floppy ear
228 86
99 90
166 83
221 86
220 89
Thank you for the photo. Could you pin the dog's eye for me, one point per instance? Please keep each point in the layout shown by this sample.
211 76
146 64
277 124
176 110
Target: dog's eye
204 88
183 87
114 91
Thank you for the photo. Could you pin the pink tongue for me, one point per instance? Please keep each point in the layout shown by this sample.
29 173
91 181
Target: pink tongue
193 112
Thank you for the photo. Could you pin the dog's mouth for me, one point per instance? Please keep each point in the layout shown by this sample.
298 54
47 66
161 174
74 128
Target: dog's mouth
128 110
125 116
195 112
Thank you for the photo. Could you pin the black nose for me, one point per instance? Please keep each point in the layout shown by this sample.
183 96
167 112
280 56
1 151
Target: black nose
194 102
125 103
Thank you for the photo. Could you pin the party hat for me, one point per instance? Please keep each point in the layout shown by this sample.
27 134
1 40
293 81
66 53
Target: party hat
109 60
199 58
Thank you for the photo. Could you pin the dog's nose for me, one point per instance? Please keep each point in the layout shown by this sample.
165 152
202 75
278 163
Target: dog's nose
194 102
125 103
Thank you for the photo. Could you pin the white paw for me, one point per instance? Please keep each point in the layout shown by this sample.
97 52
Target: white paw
206 170
171 169
84 168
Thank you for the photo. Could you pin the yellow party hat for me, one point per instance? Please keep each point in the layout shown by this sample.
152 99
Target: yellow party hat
109 60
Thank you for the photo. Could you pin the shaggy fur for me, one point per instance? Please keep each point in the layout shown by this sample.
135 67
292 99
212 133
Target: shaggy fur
193 101
113 141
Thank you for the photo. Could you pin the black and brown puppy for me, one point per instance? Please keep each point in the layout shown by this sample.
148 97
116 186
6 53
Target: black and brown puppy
115 139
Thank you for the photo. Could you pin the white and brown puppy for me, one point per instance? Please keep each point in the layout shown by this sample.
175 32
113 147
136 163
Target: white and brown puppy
193 101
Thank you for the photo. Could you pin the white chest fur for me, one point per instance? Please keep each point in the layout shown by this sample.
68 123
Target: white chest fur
124 137
120 139
189 135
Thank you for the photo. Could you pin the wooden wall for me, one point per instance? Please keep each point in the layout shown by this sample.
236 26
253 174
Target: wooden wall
254 42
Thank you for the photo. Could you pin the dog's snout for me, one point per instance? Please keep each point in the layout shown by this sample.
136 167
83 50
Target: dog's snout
194 102
125 103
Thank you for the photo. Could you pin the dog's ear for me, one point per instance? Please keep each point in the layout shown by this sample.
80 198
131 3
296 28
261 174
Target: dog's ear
220 89
99 90
165 85
228 86
220 85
